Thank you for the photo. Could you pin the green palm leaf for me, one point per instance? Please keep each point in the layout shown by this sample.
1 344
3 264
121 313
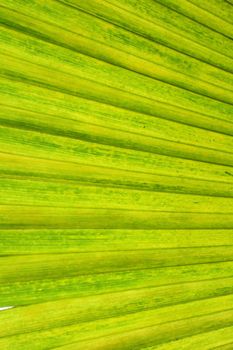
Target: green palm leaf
116 180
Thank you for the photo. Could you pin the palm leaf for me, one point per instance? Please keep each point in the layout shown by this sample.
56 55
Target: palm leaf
116 225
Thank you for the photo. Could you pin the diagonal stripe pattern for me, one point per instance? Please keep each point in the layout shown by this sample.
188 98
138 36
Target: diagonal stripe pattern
116 175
